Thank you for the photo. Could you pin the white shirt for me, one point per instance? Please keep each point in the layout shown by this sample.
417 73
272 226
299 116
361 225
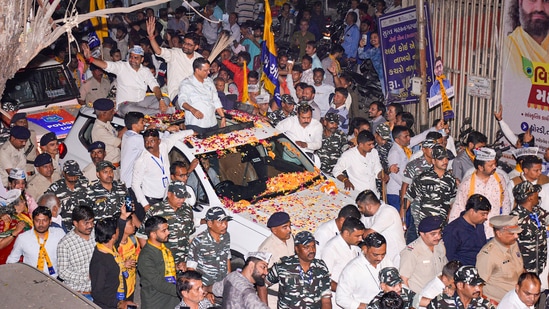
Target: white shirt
234 30
202 96
311 134
386 221
210 30
179 67
26 245
151 175
322 97
337 254
361 170
323 234
132 146
512 301
359 282
131 84
431 290
396 156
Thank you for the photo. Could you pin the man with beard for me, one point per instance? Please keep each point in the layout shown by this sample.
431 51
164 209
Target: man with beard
71 190
281 242
468 292
308 96
313 289
132 80
97 154
487 181
156 267
333 141
38 246
106 195
75 250
237 289
180 61
287 110
529 38
302 129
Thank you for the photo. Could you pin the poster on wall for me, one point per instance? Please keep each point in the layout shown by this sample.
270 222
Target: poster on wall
525 65
398 31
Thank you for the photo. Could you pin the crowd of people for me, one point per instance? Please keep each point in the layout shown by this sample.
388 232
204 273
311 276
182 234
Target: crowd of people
433 225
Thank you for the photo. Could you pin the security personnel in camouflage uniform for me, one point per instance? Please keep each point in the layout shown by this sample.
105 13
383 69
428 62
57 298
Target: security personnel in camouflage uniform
499 262
180 221
432 192
333 140
287 110
389 280
210 251
304 282
106 195
384 142
71 190
468 292
532 240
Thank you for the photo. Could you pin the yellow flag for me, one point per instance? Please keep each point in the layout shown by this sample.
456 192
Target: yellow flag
99 23
245 97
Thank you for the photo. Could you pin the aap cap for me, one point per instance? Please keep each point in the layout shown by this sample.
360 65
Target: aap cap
264 256
506 222
525 151
96 145
217 213
10 197
286 98
17 173
468 274
439 152
390 276
17 117
429 143
103 104
103 165
430 224
42 159
20 132
524 189
179 189
303 238
485 154
138 50
384 131
72 168
277 219
332 117
47 138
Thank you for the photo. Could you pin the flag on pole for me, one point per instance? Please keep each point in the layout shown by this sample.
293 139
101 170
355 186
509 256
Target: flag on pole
245 96
99 23
268 55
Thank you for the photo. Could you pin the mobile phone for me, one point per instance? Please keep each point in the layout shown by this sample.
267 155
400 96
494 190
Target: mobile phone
131 306
128 203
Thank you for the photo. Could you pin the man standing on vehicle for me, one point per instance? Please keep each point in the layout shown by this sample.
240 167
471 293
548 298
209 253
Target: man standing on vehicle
303 130
97 154
281 242
104 131
132 80
180 61
12 153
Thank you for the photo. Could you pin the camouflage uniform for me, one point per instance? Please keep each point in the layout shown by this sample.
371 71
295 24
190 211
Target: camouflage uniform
278 115
406 294
106 203
210 256
383 152
443 301
298 289
532 240
414 168
331 150
69 199
431 195
180 224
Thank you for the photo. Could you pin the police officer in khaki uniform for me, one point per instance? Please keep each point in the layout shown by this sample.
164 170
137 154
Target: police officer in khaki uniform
12 152
499 262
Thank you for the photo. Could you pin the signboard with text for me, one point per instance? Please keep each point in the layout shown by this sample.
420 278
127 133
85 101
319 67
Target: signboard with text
398 36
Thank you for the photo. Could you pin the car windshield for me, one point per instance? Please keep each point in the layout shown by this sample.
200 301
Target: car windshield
259 170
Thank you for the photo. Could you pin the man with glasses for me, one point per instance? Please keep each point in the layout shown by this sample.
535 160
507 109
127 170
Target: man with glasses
179 61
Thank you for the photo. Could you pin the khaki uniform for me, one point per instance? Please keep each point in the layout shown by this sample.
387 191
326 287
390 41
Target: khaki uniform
39 184
420 265
277 248
90 172
106 133
11 158
92 90
31 151
500 267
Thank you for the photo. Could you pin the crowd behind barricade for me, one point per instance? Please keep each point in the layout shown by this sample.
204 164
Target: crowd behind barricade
433 225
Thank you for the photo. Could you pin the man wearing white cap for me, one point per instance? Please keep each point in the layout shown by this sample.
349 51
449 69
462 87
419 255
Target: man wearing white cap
237 289
487 181
132 81
499 262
